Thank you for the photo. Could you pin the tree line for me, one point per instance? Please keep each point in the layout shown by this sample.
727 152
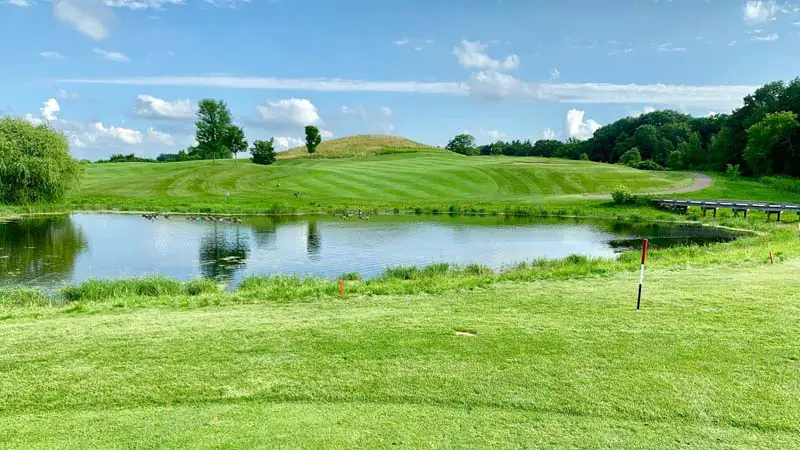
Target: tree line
756 139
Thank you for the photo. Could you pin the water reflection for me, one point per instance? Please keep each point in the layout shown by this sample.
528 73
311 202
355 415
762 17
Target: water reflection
313 240
223 252
39 248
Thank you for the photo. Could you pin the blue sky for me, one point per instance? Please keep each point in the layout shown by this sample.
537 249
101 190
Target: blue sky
125 75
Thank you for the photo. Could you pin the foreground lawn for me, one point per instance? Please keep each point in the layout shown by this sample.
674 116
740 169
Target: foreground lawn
711 361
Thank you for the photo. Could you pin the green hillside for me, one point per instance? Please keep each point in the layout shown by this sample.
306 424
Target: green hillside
357 146
402 179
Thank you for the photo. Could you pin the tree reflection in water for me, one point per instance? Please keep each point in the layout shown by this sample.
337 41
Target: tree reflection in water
223 251
314 240
40 248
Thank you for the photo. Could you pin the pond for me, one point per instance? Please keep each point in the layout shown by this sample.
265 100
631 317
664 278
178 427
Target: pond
48 251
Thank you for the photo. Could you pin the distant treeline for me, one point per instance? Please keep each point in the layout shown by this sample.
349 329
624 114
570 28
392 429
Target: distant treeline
760 138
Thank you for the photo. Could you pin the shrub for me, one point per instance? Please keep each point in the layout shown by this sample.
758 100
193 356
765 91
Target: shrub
733 171
584 157
35 164
648 165
631 157
198 287
623 196
350 276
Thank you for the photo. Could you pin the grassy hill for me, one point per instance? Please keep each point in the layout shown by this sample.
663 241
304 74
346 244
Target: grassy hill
390 180
357 146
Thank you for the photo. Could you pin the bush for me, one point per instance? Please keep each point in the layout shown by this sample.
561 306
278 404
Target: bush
733 171
584 157
350 276
648 165
623 196
263 152
631 157
35 164
198 287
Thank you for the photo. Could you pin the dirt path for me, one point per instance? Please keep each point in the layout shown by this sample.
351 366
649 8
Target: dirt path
701 181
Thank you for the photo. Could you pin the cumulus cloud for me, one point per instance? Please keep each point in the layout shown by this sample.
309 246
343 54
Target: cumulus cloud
50 109
579 128
149 106
20 3
90 17
287 142
160 137
548 134
52 55
292 111
756 12
555 74
647 110
112 56
473 55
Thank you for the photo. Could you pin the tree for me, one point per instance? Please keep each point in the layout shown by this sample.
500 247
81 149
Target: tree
497 148
647 140
675 160
263 152
213 123
547 147
234 140
35 164
719 148
764 138
463 144
692 152
313 138
631 157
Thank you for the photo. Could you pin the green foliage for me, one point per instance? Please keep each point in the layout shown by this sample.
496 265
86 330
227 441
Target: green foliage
200 287
622 195
675 160
234 140
350 276
767 139
718 149
313 138
35 164
108 289
733 171
648 165
263 152
631 157
119 158
213 127
182 155
692 152
463 144
584 157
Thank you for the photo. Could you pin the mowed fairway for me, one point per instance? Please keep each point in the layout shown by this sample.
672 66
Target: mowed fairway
547 364
414 178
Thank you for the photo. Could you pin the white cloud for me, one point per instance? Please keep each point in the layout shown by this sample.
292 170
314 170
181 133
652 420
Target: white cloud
759 11
668 47
97 134
548 134
52 55
292 111
142 4
160 137
488 84
401 42
90 17
20 3
555 74
63 94
766 38
491 135
33 119
327 134
378 120
647 110
579 128
287 142
112 56
227 3
473 55
149 106
50 109
731 43
386 111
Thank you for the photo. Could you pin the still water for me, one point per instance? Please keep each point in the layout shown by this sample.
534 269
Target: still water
49 251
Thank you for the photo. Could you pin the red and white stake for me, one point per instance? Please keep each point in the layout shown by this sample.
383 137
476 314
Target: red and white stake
641 274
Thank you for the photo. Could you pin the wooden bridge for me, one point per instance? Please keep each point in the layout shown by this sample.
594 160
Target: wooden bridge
682 205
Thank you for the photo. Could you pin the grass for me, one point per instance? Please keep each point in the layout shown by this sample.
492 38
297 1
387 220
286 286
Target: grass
359 146
427 179
552 362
